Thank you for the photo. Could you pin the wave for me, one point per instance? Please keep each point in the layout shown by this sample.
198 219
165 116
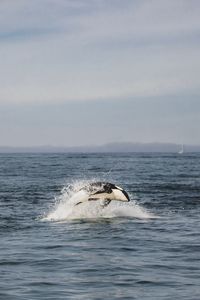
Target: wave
65 209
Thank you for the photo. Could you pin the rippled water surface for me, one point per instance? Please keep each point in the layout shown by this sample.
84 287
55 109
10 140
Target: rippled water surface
146 249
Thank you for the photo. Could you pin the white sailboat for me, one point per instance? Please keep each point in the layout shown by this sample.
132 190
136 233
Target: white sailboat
181 151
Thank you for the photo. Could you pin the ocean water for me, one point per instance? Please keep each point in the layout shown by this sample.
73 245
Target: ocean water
148 248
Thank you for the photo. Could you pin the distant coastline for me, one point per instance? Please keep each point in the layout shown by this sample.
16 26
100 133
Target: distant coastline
109 147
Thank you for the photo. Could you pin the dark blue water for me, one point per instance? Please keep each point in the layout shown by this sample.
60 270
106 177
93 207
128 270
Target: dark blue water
120 257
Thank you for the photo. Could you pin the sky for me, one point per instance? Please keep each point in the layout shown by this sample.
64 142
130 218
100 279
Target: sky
89 72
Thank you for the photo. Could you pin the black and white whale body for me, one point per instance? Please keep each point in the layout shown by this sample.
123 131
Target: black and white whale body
104 191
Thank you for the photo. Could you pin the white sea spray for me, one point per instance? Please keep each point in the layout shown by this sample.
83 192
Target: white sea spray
66 209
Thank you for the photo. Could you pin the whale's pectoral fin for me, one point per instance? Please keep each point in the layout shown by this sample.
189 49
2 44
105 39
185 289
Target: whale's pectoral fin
105 202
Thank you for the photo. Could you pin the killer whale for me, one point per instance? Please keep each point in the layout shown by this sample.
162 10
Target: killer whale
104 191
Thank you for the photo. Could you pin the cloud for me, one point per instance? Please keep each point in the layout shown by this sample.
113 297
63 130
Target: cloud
58 51
166 119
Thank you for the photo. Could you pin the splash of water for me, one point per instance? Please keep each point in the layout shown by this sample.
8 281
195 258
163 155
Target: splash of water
65 208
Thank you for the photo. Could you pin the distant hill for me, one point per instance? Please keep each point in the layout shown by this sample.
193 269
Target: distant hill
110 147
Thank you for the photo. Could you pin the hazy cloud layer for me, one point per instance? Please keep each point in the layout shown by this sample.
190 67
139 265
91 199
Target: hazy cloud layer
76 72
173 119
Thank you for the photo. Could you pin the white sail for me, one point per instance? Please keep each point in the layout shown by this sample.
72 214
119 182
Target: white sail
181 151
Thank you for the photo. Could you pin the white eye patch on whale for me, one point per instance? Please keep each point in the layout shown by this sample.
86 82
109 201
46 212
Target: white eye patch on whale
105 192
